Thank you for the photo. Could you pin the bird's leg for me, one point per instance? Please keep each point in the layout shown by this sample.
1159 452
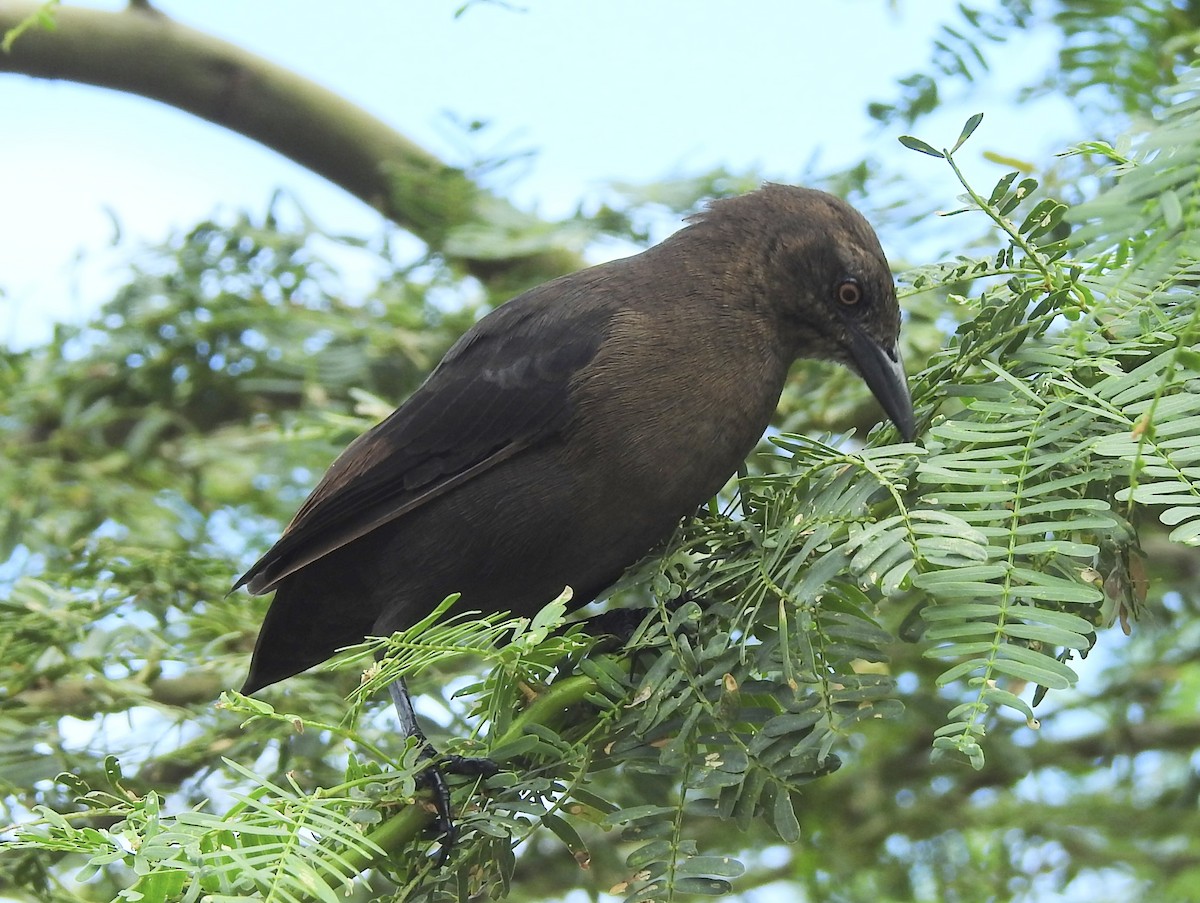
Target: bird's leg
617 626
404 710
622 623
433 775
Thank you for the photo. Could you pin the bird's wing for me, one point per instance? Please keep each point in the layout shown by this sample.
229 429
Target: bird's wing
504 386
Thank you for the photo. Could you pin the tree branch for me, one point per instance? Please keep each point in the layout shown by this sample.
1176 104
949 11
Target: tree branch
85 697
141 51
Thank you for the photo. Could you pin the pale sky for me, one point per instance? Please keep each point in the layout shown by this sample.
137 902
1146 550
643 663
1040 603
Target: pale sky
602 90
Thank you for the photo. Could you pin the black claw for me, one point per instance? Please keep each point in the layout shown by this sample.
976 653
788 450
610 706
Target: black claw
434 778
469 765
433 775
447 831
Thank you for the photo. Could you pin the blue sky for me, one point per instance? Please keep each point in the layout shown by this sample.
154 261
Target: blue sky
602 90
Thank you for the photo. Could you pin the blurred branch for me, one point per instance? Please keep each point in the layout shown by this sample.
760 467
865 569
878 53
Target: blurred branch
85 697
141 51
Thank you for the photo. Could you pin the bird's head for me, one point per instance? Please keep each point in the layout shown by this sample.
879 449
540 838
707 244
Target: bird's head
815 265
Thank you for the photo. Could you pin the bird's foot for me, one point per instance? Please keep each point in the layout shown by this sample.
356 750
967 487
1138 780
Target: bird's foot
434 777
469 765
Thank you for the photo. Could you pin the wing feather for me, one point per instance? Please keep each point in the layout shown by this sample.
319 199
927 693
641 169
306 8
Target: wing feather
503 387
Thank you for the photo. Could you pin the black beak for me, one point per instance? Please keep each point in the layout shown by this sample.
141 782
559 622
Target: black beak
883 372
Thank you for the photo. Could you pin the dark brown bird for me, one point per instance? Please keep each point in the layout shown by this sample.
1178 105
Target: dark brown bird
572 428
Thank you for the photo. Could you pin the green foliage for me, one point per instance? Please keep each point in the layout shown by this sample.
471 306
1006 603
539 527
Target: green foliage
1114 55
261 848
847 607
1062 408
957 52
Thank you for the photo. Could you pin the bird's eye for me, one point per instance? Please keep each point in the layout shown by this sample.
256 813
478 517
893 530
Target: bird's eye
849 292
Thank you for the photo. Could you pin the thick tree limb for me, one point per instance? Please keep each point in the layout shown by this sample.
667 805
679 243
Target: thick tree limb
144 52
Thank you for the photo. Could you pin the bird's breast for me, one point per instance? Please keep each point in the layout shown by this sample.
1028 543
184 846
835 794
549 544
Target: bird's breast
667 412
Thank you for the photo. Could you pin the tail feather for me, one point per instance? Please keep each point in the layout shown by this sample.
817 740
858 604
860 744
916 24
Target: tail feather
316 611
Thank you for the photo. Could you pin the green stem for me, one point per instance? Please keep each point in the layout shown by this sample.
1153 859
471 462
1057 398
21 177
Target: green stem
1011 231
548 705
